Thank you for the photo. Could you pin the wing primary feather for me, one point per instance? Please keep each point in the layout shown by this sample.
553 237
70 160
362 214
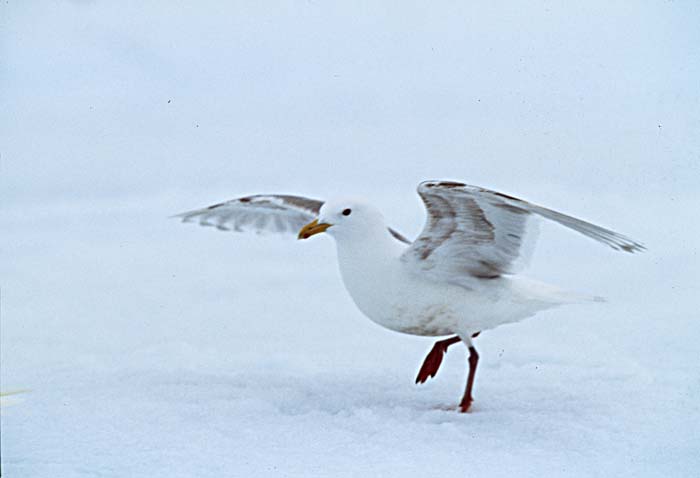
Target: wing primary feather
613 239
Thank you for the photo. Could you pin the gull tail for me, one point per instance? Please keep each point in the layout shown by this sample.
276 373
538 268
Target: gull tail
575 298
548 294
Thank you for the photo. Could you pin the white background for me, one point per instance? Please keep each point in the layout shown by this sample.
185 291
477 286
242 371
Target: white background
152 348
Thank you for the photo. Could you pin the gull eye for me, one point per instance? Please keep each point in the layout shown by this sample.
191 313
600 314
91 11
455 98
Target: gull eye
346 212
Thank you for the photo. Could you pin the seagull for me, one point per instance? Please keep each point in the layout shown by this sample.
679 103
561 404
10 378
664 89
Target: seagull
457 278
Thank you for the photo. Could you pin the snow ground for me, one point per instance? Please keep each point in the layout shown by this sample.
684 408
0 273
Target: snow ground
152 348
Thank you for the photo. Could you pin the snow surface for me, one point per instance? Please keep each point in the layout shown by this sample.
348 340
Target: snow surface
153 348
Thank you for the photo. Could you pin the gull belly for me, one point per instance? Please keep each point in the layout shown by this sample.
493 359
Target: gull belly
393 296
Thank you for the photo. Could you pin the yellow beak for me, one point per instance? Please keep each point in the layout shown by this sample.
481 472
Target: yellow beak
312 228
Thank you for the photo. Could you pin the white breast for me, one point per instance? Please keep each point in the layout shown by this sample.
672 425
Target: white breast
391 296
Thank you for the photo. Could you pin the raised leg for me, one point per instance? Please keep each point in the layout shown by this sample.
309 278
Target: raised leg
432 362
468 399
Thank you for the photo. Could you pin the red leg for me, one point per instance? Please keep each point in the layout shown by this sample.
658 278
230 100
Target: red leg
468 399
432 362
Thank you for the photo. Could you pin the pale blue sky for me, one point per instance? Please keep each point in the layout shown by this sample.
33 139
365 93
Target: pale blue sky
289 93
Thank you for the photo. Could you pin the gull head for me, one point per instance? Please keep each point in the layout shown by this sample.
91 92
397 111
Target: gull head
353 219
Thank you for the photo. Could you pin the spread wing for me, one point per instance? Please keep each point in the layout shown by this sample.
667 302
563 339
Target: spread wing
474 232
277 213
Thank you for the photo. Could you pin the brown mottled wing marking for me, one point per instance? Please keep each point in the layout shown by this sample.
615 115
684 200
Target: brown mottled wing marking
472 232
279 213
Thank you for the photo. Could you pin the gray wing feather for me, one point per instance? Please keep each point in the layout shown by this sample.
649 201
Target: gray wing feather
276 213
476 232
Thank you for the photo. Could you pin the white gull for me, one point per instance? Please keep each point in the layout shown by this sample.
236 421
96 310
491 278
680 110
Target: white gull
457 278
